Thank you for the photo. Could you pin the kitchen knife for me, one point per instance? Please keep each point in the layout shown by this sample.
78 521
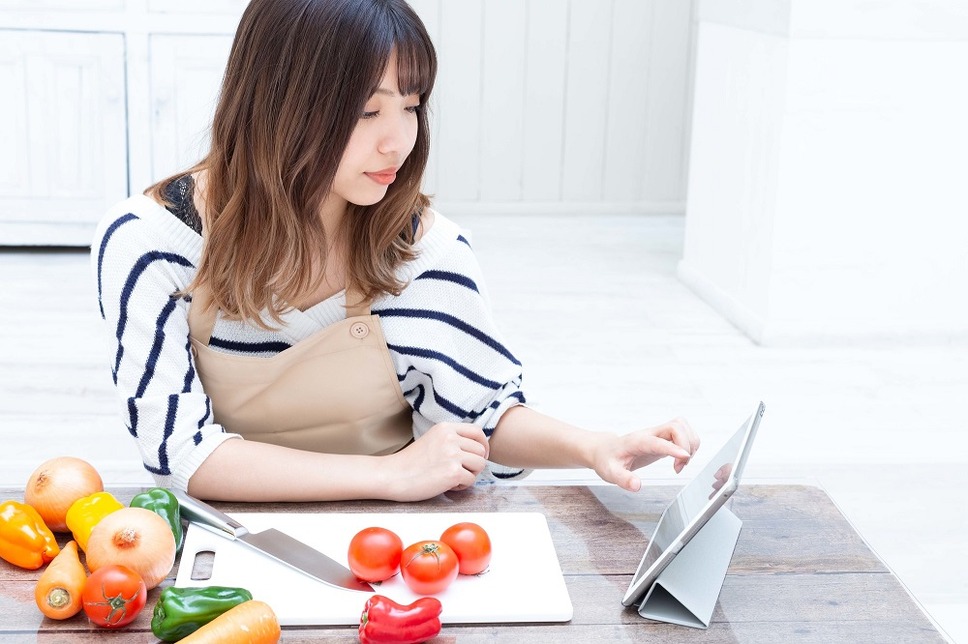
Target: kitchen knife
274 544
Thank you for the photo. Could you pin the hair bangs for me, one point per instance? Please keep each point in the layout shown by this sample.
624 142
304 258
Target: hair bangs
416 59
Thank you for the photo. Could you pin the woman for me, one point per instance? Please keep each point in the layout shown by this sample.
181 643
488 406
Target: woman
295 289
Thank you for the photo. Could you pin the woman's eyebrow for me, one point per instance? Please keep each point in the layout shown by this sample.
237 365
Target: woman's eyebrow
385 91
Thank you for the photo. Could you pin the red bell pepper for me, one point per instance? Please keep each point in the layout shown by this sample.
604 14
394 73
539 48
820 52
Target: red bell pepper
384 620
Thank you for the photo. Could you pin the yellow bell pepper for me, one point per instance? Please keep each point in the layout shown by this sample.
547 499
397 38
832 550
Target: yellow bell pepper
25 540
87 512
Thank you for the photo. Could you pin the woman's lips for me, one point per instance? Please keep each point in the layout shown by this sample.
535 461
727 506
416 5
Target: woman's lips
383 177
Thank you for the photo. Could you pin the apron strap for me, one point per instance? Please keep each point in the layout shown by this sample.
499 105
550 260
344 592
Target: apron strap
355 304
201 316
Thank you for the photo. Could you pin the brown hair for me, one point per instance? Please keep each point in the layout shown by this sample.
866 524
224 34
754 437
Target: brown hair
298 77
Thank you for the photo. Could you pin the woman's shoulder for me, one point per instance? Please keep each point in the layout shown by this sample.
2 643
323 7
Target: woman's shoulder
145 224
442 239
444 259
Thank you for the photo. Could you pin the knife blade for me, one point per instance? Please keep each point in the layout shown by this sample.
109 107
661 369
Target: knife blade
274 544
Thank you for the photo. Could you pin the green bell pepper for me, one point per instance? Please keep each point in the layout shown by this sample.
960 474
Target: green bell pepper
163 503
182 611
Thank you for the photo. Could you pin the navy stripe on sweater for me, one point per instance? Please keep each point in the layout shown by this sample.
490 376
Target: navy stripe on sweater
457 323
421 392
450 406
249 347
454 409
139 268
133 415
508 475
120 221
156 346
163 468
443 403
447 360
190 372
448 276
197 438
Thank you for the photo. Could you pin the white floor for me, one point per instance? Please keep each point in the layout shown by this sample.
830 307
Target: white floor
610 340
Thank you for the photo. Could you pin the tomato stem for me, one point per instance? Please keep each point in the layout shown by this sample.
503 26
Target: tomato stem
117 602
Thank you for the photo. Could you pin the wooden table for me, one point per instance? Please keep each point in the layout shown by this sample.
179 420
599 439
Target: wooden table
800 573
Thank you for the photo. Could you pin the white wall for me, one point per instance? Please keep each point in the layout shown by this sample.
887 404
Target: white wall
826 192
548 106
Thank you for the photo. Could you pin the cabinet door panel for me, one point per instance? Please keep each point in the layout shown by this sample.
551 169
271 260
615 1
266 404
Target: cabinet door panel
63 114
186 73
14 154
61 5
231 7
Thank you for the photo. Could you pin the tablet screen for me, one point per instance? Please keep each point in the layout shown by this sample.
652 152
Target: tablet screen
695 498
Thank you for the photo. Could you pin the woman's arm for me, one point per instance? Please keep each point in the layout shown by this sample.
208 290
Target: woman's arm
449 456
526 438
141 257
241 470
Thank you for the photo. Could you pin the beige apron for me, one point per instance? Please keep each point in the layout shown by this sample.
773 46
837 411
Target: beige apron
336 391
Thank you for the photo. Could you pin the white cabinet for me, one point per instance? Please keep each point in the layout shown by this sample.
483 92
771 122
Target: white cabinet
63 123
100 99
186 74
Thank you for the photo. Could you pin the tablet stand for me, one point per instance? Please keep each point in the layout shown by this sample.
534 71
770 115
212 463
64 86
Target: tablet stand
685 593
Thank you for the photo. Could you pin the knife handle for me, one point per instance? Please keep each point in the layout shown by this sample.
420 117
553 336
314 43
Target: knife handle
201 512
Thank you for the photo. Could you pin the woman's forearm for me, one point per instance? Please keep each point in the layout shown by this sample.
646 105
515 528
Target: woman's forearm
529 439
240 470
526 438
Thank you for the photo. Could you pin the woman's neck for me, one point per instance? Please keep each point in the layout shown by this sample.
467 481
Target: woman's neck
331 213
330 267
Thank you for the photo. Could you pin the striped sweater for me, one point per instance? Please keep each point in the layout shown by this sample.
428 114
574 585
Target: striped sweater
449 357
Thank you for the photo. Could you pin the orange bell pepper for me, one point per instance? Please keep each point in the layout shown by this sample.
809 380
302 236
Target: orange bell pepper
25 540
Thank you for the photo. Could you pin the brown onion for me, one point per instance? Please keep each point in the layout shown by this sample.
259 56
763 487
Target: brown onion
56 484
136 538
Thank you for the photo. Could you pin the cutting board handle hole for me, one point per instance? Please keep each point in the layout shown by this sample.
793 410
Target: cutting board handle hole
202 566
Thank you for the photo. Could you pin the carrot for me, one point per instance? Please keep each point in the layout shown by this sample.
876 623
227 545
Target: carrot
251 622
58 591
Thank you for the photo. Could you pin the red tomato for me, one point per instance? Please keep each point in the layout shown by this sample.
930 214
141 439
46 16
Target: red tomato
471 544
374 554
113 596
429 567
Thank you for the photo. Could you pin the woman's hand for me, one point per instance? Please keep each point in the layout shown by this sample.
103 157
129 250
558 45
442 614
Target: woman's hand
616 457
449 456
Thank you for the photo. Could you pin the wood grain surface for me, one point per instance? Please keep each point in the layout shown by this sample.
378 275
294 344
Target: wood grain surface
800 572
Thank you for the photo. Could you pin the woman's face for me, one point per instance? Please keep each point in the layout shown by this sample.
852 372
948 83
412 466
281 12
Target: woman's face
381 142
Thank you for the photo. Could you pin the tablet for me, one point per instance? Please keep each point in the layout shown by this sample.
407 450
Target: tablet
694 506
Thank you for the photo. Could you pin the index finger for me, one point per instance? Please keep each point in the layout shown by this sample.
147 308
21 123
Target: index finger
683 435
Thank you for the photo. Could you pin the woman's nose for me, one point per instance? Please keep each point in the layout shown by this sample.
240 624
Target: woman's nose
398 136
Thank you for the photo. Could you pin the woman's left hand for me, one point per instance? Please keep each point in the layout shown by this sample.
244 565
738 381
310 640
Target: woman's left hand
616 457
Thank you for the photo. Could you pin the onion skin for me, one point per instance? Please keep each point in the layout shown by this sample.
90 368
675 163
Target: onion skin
136 538
56 484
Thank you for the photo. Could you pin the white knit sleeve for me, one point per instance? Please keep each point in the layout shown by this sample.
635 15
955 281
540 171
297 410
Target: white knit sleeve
450 355
139 266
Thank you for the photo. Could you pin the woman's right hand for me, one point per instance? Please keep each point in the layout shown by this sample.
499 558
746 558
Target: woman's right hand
449 456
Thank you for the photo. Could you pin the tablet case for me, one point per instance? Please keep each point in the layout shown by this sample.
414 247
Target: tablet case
685 593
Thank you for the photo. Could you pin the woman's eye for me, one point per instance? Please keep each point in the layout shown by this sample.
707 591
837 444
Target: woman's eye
413 109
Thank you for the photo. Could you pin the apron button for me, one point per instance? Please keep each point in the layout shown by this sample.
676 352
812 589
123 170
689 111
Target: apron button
359 330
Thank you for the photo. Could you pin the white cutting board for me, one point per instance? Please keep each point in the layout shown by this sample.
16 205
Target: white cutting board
522 584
